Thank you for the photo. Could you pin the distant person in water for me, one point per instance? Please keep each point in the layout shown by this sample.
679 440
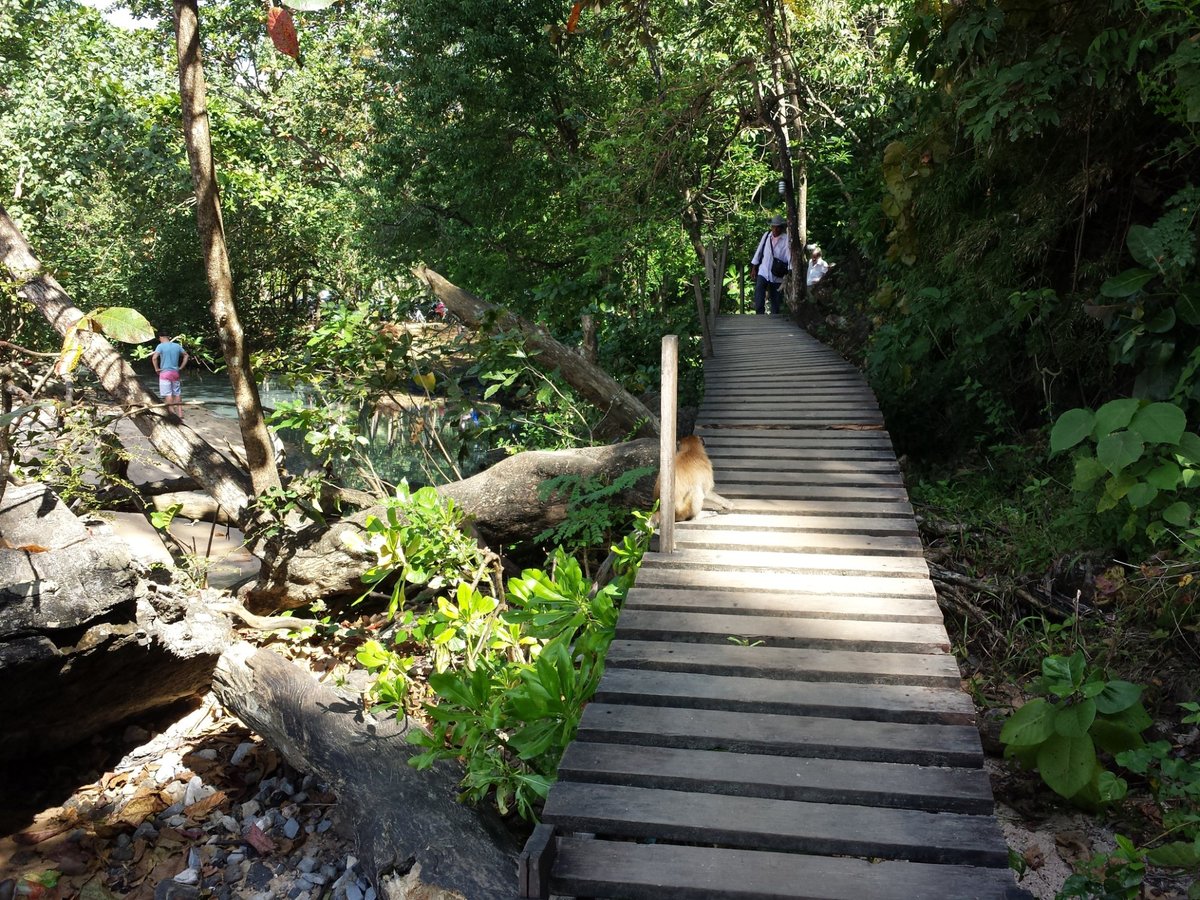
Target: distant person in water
169 360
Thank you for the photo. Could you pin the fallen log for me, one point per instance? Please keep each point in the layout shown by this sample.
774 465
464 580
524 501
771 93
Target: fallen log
621 408
414 839
503 503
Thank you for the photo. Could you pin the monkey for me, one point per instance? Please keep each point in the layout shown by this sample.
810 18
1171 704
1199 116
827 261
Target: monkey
694 484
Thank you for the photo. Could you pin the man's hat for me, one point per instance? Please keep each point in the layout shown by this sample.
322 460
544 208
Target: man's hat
778 221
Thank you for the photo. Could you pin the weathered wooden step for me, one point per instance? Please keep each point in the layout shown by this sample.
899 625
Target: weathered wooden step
772 631
712 538
851 666
782 735
869 702
789 825
782 561
865 508
782 489
891 785
776 475
765 603
809 584
612 869
850 526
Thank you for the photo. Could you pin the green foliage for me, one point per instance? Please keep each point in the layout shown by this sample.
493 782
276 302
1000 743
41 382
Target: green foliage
1059 732
1175 783
510 682
1136 456
422 541
590 519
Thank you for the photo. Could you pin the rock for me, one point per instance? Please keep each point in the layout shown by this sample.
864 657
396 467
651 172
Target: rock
84 642
241 753
188 876
291 828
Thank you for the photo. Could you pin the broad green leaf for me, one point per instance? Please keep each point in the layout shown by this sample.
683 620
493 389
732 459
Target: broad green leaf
1161 322
9 417
1117 696
120 323
1114 415
1145 246
1067 763
1110 787
1141 494
1178 513
1159 423
1164 476
1088 470
1175 855
1029 725
1071 428
1114 738
1127 283
1075 718
1135 718
1116 451
1189 447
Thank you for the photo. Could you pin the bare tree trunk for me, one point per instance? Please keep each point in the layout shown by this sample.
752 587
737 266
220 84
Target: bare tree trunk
260 454
600 388
174 440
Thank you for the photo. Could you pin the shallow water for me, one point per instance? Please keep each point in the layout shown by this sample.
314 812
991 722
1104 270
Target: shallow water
215 394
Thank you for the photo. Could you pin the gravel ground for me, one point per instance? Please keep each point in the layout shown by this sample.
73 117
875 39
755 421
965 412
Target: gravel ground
200 809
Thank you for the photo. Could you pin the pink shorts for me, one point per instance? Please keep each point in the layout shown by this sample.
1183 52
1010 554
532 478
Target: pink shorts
169 387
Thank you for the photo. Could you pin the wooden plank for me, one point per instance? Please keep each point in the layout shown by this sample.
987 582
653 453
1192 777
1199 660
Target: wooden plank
773 631
777 824
932 670
891 785
765 603
801 506
668 872
779 560
713 538
787 463
807 585
869 702
783 490
850 526
769 474
782 735
535 862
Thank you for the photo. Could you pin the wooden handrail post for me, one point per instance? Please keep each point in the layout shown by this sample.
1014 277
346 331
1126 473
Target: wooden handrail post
666 443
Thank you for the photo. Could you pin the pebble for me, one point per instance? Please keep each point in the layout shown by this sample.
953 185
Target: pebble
235 858
177 821
324 826
206 753
300 797
188 876
291 828
250 809
173 810
241 753
306 865
370 894
194 860
230 824
353 893
146 831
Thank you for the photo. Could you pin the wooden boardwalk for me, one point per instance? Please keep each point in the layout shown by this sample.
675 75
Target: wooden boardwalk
780 716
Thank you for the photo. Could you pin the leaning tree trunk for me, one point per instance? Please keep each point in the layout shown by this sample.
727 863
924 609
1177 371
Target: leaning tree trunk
260 453
413 836
600 388
174 440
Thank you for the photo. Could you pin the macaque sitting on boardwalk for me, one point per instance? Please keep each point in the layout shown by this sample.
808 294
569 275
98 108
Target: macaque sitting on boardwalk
694 481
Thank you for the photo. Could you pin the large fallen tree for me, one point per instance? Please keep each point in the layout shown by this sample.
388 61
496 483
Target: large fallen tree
415 841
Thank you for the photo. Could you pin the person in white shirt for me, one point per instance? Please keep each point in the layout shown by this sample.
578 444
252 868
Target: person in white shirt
772 248
817 267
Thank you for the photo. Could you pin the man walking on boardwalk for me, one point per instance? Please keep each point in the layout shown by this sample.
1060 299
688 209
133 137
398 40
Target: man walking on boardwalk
169 359
771 262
